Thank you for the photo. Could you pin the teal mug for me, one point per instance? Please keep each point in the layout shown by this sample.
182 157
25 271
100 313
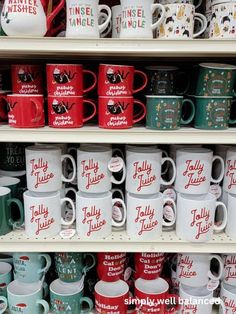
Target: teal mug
30 267
67 298
5 277
71 266
13 184
215 79
7 222
3 304
168 112
21 174
213 113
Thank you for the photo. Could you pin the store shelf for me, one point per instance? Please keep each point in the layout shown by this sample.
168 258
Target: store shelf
54 47
17 241
141 135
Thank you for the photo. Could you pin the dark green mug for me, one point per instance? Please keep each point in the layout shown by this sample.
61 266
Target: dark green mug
168 112
213 112
7 221
215 79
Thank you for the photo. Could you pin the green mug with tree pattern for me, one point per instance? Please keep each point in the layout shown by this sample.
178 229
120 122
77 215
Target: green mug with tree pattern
168 112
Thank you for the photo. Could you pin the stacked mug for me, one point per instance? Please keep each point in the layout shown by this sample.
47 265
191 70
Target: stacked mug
67 108
116 101
66 292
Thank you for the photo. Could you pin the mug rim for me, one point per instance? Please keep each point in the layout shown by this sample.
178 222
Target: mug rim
150 197
25 95
42 147
17 180
217 66
7 265
75 96
117 65
54 282
194 150
174 4
151 282
183 288
145 151
4 191
64 64
196 197
9 173
162 68
214 97
225 286
101 282
40 195
94 196
21 285
163 96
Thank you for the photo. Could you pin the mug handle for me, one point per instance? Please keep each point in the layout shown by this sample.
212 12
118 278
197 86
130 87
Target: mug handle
154 7
171 223
90 305
5 304
19 204
44 287
103 35
137 117
220 178
94 109
64 179
224 222
144 78
203 21
68 223
118 191
70 189
52 15
190 118
39 110
232 121
88 89
104 25
174 171
119 224
198 4
6 101
48 263
44 305
221 267
114 150
188 80
88 267
164 153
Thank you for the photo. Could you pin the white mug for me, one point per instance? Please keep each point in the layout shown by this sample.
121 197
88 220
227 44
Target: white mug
137 17
193 270
144 170
95 169
194 168
229 275
145 215
44 168
230 229
43 217
195 221
195 3
94 214
229 183
116 20
82 18
228 296
198 300
179 21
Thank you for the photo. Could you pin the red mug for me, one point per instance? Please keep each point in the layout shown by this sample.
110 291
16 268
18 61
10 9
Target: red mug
111 266
3 105
26 111
27 79
118 112
67 80
148 265
118 80
111 297
68 112
150 296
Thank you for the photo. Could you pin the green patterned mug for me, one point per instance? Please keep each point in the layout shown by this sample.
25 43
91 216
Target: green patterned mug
168 112
213 113
215 79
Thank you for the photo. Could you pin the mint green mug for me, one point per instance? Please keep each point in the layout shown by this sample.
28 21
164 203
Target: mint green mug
5 277
213 112
67 298
168 112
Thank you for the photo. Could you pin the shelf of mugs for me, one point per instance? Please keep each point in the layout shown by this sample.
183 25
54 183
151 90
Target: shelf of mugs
118 241
141 135
62 47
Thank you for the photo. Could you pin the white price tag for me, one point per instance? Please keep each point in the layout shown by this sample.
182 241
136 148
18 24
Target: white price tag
216 190
170 193
115 164
116 213
67 233
168 213
127 273
212 284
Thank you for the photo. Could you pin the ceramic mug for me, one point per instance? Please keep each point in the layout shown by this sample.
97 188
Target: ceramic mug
95 168
145 215
25 111
116 20
148 265
194 168
228 296
111 296
195 221
230 228
222 23
68 298
68 112
5 278
179 21
118 80
43 216
167 112
193 270
137 17
13 184
12 157
94 214
213 112
229 274
68 80
27 79
71 266
144 170
44 168
30 267
118 112
82 18
27 298
216 79
7 221
196 3
111 266
229 183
